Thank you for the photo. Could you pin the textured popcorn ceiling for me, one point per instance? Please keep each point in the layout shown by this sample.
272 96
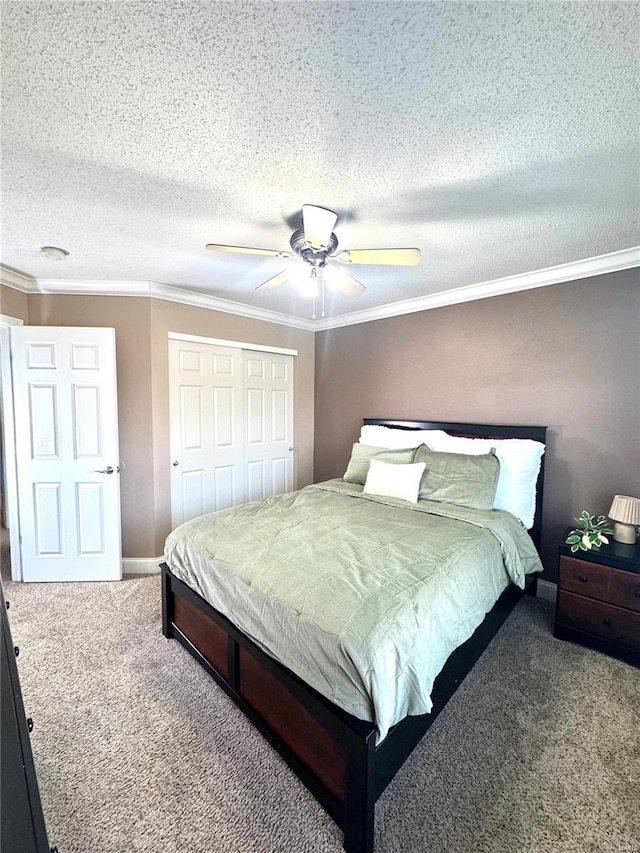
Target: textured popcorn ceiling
498 137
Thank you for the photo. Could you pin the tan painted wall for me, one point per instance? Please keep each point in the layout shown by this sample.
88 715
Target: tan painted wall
130 317
141 326
14 303
565 356
174 317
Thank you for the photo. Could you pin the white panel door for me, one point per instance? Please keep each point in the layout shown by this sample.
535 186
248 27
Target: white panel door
268 414
64 390
231 424
205 402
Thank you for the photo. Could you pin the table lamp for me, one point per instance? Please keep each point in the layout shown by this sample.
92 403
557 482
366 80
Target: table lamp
625 512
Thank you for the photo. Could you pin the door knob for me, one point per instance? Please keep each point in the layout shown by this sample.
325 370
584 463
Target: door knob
107 470
175 463
291 449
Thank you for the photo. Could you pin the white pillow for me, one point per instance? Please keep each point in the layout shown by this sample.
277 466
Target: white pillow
394 481
375 435
519 467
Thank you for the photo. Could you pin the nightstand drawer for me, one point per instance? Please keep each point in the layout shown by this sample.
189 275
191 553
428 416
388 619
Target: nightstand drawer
603 620
625 589
590 579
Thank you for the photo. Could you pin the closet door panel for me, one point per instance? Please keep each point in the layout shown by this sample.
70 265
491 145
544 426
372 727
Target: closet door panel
231 423
268 389
206 440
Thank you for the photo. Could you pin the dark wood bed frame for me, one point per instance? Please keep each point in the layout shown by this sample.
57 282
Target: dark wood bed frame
332 752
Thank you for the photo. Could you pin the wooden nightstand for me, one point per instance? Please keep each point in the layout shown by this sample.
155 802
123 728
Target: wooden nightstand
599 599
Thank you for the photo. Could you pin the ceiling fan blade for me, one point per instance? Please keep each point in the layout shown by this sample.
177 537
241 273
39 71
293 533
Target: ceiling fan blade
338 279
245 250
274 282
318 224
392 257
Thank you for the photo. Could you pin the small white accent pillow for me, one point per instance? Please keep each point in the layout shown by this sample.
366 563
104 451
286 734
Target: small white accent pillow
519 467
375 435
394 481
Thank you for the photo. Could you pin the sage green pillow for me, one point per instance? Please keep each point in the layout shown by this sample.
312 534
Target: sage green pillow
362 454
458 478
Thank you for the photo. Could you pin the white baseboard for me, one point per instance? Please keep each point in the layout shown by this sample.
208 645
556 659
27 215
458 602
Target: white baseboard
547 590
141 565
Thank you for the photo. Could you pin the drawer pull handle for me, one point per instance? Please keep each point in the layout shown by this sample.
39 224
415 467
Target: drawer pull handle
607 621
583 578
29 724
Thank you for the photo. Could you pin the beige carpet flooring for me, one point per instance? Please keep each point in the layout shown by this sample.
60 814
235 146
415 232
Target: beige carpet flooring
137 749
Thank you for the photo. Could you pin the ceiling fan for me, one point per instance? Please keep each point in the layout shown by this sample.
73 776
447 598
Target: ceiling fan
317 246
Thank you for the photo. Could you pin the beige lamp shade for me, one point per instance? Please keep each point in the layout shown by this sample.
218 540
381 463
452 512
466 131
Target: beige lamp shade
625 511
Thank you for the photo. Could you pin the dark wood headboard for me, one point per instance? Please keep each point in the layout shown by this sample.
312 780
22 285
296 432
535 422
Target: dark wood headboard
537 433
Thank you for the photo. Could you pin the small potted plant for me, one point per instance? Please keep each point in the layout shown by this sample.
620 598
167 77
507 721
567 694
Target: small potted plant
590 532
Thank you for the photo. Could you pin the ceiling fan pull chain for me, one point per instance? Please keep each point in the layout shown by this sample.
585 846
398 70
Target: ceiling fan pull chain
313 315
322 285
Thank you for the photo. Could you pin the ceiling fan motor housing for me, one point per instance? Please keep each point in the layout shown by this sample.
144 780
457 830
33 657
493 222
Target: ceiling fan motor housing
315 256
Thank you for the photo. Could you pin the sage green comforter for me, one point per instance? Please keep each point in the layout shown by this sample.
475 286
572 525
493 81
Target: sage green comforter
363 597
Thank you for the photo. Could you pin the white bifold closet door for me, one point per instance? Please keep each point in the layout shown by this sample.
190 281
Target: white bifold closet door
231 423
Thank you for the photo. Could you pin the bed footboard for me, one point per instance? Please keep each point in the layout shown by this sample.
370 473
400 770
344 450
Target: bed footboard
333 753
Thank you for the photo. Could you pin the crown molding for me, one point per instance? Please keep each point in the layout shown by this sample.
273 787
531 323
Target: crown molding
171 293
17 280
91 287
598 265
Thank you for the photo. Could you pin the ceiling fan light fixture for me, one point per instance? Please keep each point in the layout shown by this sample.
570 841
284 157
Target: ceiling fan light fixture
305 279
333 278
318 224
316 246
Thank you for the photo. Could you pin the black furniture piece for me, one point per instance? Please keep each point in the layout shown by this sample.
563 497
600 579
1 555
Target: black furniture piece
22 827
598 601
333 753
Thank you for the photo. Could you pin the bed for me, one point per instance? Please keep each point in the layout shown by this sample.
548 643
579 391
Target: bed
346 716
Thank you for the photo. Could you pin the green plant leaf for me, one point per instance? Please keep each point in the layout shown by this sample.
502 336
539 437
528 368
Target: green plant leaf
572 537
591 524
